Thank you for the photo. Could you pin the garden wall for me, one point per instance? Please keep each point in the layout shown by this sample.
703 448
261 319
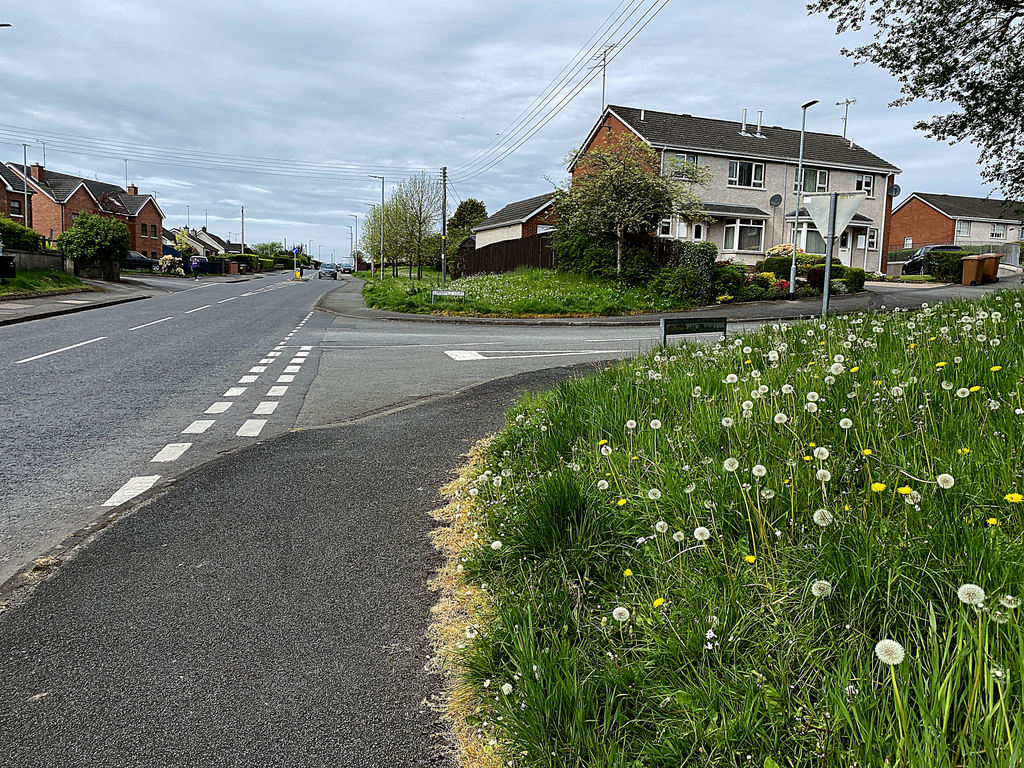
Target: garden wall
52 260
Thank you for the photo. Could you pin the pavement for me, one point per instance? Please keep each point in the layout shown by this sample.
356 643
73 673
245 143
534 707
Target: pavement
246 617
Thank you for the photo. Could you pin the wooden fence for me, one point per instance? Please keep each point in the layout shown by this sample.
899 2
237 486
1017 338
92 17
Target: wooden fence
505 256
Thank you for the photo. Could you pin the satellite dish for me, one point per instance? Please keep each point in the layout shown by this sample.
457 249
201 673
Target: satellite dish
894 190
776 201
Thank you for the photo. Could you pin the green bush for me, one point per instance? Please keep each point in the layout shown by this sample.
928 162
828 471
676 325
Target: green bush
816 278
95 239
777 265
265 263
947 265
855 279
17 237
902 254
728 279
689 276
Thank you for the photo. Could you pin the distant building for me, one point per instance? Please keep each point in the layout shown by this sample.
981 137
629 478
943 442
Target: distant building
61 198
515 221
12 200
925 218
752 167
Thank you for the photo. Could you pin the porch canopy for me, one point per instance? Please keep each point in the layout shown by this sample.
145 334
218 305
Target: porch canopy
728 211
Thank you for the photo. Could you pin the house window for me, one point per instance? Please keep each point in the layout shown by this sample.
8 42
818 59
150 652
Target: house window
908 242
152 230
15 207
815 180
698 231
998 231
866 183
872 239
963 228
813 241
74 218
744 235
144 231
746 173
681 173
680 229
665 228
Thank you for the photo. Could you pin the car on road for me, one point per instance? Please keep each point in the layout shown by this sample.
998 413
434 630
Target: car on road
347 265
916 265
328 270
135 260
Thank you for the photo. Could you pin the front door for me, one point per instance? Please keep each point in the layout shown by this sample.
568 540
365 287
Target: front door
844 247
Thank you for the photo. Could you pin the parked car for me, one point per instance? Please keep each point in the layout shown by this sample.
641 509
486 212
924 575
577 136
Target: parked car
328 270
915 265
135 260
347 265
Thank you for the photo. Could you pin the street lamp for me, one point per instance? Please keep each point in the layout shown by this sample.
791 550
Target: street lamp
799 197
380 223
381 219
355 238
351 241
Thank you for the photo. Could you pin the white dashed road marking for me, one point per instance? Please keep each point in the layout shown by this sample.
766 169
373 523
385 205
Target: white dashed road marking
234 392
62 349
131 489
171 452
277 391
266 408
197 309
251 428
286 379
218 407
292 368
305 349
146 325
464 354
225 301
258 369
198 426
248 379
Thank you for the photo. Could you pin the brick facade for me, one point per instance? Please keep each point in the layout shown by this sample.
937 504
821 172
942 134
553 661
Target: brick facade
918 220
151 244
11 204
609 132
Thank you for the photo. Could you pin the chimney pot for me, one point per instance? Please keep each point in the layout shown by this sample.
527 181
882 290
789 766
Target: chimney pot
132 189
642 113
760 114
743 122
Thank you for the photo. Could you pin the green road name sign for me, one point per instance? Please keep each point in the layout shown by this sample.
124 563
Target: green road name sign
674 326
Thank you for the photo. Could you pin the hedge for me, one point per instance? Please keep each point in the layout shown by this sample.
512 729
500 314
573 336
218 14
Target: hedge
18 237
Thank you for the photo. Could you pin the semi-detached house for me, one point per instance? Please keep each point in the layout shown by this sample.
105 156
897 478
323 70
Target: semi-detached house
752 198
926 218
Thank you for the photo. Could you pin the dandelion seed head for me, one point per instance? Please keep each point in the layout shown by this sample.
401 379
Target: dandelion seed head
945 481
661 526
971 594
821 588
759 470
730 464
700 533
822 518
621 614
889 652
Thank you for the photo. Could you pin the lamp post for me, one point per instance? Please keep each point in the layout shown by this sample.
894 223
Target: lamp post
351 241
799 197
355 239
381 221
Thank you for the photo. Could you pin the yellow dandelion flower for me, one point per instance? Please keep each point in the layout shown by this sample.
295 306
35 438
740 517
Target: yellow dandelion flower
855 369
878 382
992 521
931 338
807 458
975 388
878 487
634 458
1014 498
866 452
659 601
963 451
813 445
627 572
786 481
996 368
812 363
621 502
940 365
750 559
913 345
603 442
903 490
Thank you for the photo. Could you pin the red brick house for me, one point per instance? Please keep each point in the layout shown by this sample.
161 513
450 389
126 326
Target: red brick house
517 220
12 196
60 198
925 218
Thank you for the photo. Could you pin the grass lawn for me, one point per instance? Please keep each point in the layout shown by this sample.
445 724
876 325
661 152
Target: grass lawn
29 280
799 547
525 292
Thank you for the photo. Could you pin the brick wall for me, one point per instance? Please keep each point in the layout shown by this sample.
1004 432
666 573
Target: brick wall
19 202
149 217
611 128
920 221
546 216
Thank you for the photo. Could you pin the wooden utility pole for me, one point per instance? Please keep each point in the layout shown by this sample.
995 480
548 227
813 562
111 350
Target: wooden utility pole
444 225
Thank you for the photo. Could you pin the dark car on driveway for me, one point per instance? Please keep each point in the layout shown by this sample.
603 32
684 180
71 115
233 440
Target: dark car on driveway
916 265
135 260
328 270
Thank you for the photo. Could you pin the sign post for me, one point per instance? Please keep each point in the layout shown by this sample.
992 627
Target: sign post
831 212
295 257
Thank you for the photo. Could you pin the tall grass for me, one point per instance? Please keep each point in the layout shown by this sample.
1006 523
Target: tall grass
693 556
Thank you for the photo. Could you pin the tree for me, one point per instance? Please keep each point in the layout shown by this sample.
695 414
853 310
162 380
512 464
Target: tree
410 217
95 238
618 191
469 213
185 249
968 53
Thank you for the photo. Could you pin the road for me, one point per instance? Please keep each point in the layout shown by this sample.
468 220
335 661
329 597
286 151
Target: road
115 402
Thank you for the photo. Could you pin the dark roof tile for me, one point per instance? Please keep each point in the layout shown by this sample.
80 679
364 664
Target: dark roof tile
515 213
958 207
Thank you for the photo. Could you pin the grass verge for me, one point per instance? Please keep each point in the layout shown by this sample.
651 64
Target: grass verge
523 293
38 280
799 547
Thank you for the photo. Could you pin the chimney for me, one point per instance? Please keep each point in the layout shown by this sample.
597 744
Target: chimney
743 123
132 189
642 115
760 114
37 171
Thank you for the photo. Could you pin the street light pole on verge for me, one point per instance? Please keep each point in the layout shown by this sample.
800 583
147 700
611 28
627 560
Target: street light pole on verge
799 197
355 239
381 222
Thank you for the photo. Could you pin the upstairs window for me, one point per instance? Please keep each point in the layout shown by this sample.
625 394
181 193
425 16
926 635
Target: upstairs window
815 180
144 231
963 228
998 231
746 173
15 207
675 163
866 183
152 230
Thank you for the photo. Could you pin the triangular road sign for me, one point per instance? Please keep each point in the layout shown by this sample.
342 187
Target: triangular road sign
847 203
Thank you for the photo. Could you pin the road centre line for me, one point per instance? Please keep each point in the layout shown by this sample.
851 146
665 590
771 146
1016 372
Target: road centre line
631 338
62 349
198 426
146 325
251 428
131 489
225 301
197 309
171 452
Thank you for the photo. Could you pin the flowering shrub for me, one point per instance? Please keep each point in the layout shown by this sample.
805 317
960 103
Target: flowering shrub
796 546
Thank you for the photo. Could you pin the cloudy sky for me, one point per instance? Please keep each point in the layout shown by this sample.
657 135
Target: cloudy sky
285 107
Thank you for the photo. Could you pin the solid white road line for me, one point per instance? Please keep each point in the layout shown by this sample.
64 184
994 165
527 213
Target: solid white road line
146 325
258 369
62 349
235 392
304 349
247 379
462 355
218 408
205 306
292 368
71 301
276 391
198 426
171 452
225 301
286 379
251 428
131 489
266 408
